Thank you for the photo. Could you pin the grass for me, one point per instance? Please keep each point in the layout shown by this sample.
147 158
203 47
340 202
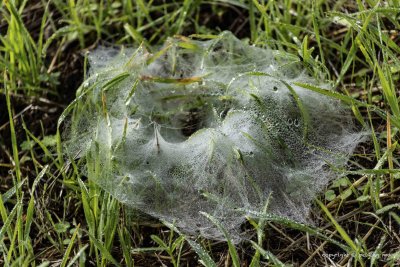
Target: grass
51 215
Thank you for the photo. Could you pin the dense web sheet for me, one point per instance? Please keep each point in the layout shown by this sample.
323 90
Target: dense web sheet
213 126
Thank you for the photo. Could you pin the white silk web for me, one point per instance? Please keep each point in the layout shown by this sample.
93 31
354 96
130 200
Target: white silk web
214 126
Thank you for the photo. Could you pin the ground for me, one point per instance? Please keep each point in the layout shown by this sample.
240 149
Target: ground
51 215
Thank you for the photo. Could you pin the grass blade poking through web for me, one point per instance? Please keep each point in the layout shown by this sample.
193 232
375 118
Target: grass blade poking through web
304 114
295 225
355 104
260 227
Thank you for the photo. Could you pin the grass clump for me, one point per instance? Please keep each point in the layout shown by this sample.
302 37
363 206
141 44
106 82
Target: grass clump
219 115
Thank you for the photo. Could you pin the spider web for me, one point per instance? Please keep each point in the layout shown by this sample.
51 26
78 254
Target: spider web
214 126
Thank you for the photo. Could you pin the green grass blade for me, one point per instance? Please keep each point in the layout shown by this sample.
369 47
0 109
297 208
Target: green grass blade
268 255
8 221
232 249
77 255
69 248
205 258
341 231
103 250
14 143
7 195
